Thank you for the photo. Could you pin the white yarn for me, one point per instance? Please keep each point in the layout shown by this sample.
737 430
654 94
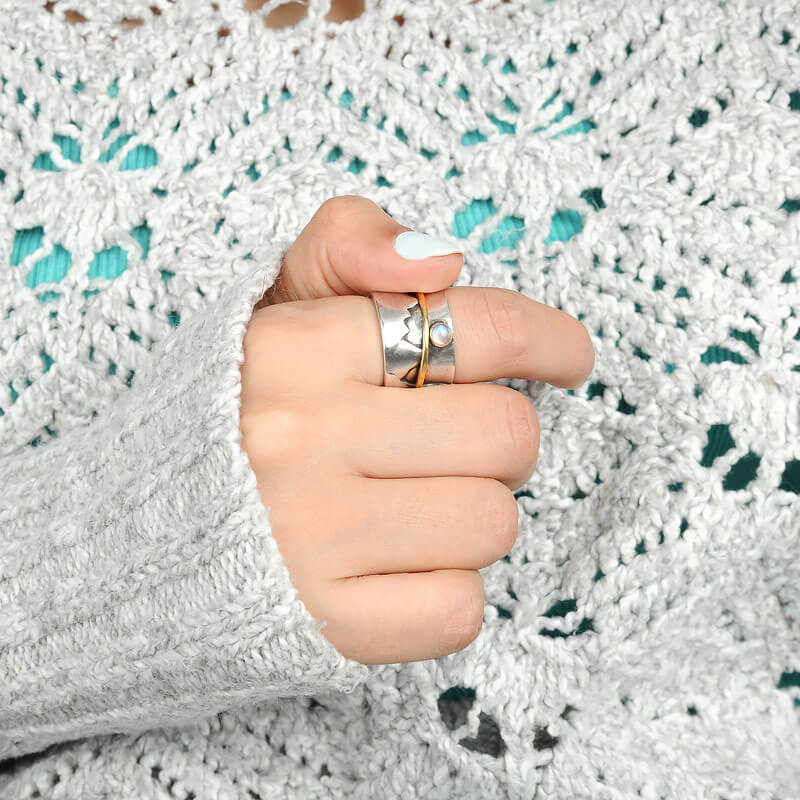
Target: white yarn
643 637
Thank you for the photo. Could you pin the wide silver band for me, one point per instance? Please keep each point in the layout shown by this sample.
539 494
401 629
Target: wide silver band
400 318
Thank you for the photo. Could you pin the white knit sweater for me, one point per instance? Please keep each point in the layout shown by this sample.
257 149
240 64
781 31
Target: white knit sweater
636 164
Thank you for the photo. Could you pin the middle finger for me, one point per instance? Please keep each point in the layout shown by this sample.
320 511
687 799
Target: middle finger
481 430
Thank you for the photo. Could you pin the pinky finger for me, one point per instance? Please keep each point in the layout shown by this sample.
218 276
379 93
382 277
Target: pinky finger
405 616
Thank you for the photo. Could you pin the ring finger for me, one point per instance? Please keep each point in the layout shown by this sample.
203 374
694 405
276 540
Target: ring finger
375 527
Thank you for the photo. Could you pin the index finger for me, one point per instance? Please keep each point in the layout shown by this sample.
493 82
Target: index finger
500 333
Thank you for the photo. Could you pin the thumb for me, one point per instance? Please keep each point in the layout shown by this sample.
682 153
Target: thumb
351 246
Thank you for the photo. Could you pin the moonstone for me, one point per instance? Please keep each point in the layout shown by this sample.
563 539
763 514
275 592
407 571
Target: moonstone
441 335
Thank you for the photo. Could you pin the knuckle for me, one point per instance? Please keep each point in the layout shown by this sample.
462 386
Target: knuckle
275 436
342 208
501 515
506 321
465 620
522 423
282 327
273 335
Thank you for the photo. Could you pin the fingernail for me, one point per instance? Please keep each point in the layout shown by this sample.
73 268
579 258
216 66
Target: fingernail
413 245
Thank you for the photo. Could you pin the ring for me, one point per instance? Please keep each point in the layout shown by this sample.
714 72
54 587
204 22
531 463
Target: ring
418 338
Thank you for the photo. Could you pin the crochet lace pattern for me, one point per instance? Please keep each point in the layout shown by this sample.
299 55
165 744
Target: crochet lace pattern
635 163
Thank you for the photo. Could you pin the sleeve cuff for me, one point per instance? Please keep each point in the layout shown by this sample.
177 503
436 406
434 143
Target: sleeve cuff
140 580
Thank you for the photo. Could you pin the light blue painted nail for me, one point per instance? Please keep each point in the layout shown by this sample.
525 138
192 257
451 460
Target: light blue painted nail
413 245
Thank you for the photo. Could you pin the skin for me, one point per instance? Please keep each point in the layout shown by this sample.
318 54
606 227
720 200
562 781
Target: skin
280 17
413 491
291 13
385 502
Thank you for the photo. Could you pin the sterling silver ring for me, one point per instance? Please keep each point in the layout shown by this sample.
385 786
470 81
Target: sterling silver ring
418 338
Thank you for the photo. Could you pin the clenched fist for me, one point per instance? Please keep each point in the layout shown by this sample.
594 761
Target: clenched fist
386 501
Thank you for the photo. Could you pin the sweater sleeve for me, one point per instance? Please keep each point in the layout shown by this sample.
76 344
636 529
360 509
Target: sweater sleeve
140 584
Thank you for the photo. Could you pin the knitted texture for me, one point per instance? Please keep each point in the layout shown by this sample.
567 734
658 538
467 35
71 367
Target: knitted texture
636 164
141 583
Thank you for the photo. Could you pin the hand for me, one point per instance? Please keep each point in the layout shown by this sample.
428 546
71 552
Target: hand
386 501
